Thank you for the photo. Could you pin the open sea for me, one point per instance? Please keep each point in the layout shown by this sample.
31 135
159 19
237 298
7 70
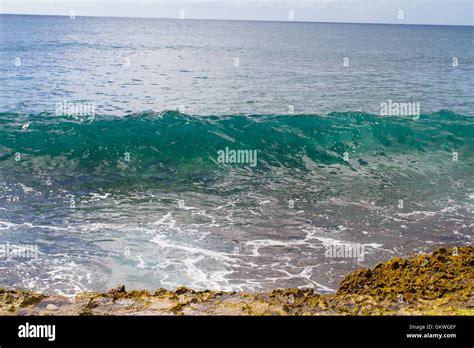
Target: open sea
138 186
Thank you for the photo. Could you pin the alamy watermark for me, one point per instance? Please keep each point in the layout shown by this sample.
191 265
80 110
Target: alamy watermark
229 156
392 108
18 251
345 251
81 110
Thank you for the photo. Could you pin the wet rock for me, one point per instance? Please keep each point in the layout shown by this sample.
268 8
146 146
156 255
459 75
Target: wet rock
438 284
51 307
118 290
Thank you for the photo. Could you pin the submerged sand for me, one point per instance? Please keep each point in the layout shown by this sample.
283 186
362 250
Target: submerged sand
441 283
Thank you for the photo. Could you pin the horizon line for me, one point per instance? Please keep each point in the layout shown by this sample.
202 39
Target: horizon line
238 20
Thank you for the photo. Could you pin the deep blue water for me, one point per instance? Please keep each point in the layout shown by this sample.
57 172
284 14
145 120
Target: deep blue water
191 63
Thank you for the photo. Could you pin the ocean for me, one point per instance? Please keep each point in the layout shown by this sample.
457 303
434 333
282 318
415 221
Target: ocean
232 155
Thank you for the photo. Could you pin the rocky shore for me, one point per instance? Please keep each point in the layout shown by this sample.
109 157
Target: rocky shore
441 283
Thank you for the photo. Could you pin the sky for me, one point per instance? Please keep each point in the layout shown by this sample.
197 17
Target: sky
447 12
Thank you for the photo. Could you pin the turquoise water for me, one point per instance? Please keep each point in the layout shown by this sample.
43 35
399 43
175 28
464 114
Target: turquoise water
183 149
144 198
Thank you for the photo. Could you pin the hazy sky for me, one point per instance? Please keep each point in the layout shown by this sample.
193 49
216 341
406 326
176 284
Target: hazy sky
457 12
